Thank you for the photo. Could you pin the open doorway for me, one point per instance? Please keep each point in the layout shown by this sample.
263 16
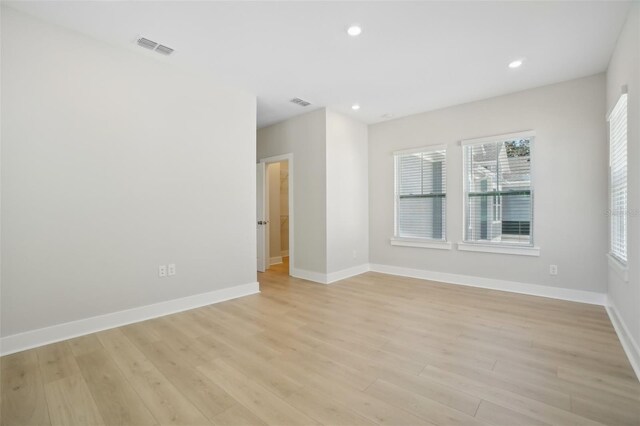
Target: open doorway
275 214
277 197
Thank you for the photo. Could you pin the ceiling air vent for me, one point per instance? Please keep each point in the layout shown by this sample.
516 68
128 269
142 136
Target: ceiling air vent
300 102
146 43
164 50
152 45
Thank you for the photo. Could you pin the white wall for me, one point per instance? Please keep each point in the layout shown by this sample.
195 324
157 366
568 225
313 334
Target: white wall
570 184
305 137
624 69
330 181
113 163
347 193
273 182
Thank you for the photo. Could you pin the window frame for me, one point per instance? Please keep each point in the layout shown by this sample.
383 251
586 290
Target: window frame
397 240
616 262
503 247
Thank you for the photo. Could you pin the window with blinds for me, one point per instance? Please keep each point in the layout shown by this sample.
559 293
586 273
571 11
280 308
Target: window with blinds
421 194
618 179
498 194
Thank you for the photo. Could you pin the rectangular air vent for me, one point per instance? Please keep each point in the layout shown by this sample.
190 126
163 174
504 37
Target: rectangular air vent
146 43
152 45
300 102
164 50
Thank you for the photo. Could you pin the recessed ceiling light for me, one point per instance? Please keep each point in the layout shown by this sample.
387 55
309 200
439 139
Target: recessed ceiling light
355 107
515 64
354 30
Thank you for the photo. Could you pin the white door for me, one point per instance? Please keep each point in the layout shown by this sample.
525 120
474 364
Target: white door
261 225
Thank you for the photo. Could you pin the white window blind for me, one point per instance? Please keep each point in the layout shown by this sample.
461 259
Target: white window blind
618 179
421 194
498 194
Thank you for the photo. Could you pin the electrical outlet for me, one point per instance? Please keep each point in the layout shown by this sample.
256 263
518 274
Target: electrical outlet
162 271
355 254
553 269
172 269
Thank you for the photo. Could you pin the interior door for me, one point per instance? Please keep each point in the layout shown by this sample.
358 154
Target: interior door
261 223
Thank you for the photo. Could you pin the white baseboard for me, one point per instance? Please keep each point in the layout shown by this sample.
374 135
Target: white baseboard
468 280
56 333
332 277
490 283
347 273
630 346
284 253
317 277
275 260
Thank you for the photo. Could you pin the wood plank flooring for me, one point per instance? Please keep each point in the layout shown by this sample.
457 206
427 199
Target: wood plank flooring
371 350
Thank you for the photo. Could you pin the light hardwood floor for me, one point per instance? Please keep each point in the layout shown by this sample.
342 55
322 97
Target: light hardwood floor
373 349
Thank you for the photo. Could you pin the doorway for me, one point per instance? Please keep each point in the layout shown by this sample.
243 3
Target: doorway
275 251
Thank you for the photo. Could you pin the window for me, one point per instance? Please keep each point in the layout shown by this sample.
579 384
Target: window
421 194
618 179
498 195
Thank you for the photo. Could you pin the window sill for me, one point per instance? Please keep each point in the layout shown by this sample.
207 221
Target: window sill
416 242
621 269
501 249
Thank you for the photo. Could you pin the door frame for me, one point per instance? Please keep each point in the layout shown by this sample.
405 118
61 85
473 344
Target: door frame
276 159
261 230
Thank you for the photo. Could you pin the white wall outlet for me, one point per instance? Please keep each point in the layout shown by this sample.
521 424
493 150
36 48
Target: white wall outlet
355 254
162 271
553 269
172 269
